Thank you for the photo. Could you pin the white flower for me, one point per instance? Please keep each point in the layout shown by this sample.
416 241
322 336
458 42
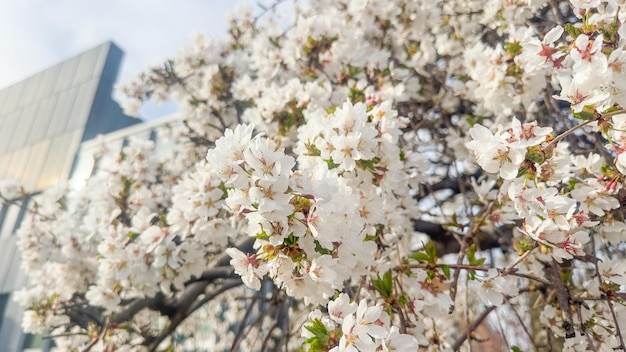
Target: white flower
398 342
248 267
341 307
494 154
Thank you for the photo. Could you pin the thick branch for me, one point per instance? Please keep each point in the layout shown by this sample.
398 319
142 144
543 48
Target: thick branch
178 309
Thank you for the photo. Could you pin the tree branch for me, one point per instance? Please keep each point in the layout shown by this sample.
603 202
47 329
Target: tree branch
457 344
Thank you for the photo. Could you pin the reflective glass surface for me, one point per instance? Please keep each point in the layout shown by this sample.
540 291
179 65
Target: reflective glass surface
44 118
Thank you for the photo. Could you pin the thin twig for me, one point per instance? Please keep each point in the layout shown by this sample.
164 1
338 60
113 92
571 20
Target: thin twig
465 244
476 268
621 346
238 336
519 318
459 342
567 133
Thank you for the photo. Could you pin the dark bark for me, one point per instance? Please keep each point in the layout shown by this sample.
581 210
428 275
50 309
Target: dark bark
446 243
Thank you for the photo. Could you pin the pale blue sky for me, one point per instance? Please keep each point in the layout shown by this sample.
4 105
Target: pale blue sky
36 34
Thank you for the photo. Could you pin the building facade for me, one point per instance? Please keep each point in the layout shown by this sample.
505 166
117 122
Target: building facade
43 122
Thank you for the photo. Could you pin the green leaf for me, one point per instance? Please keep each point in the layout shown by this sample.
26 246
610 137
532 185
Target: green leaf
317 328
513 48
369 164
446 271
319 342
370 238
312 150
384 285
402 300
331 164
263 235
431 250
321 250
584 115
471 256
291 239
573 31
420 257
356 95
132 235
515 349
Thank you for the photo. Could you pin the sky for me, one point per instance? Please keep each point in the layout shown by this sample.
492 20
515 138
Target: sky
36 34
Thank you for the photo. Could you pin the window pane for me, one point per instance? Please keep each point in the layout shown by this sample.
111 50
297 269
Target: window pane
29 94
82 105
66 76
8 130
18 163
33 341
24 124
35 164
62 112
46 87
10 105
85 68
10 221
42 121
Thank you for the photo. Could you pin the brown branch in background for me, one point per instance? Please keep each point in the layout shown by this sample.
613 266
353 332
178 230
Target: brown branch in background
608 297
521 322
477 268
239 335
556 12
468 239
133 308
562 298
446 243
182 307
459 342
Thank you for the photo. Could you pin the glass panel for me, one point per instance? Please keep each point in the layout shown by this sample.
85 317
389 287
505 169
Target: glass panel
4 93
4 164
46 87
3 213
82 106
103 54
59 160
86 67
3 145
33 341
66 77
10 105
10 221
18 163
62 112
29 94
8 130
20 216
15 279
35 164
83 167
52 165
72 140
42 121
23 126
4 300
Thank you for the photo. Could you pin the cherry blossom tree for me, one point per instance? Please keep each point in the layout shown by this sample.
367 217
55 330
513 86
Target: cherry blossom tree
357 175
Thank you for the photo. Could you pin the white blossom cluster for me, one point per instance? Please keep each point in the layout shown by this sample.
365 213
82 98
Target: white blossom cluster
404 172
362 328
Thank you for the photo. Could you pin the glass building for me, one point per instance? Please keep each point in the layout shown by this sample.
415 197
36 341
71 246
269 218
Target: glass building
43 121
